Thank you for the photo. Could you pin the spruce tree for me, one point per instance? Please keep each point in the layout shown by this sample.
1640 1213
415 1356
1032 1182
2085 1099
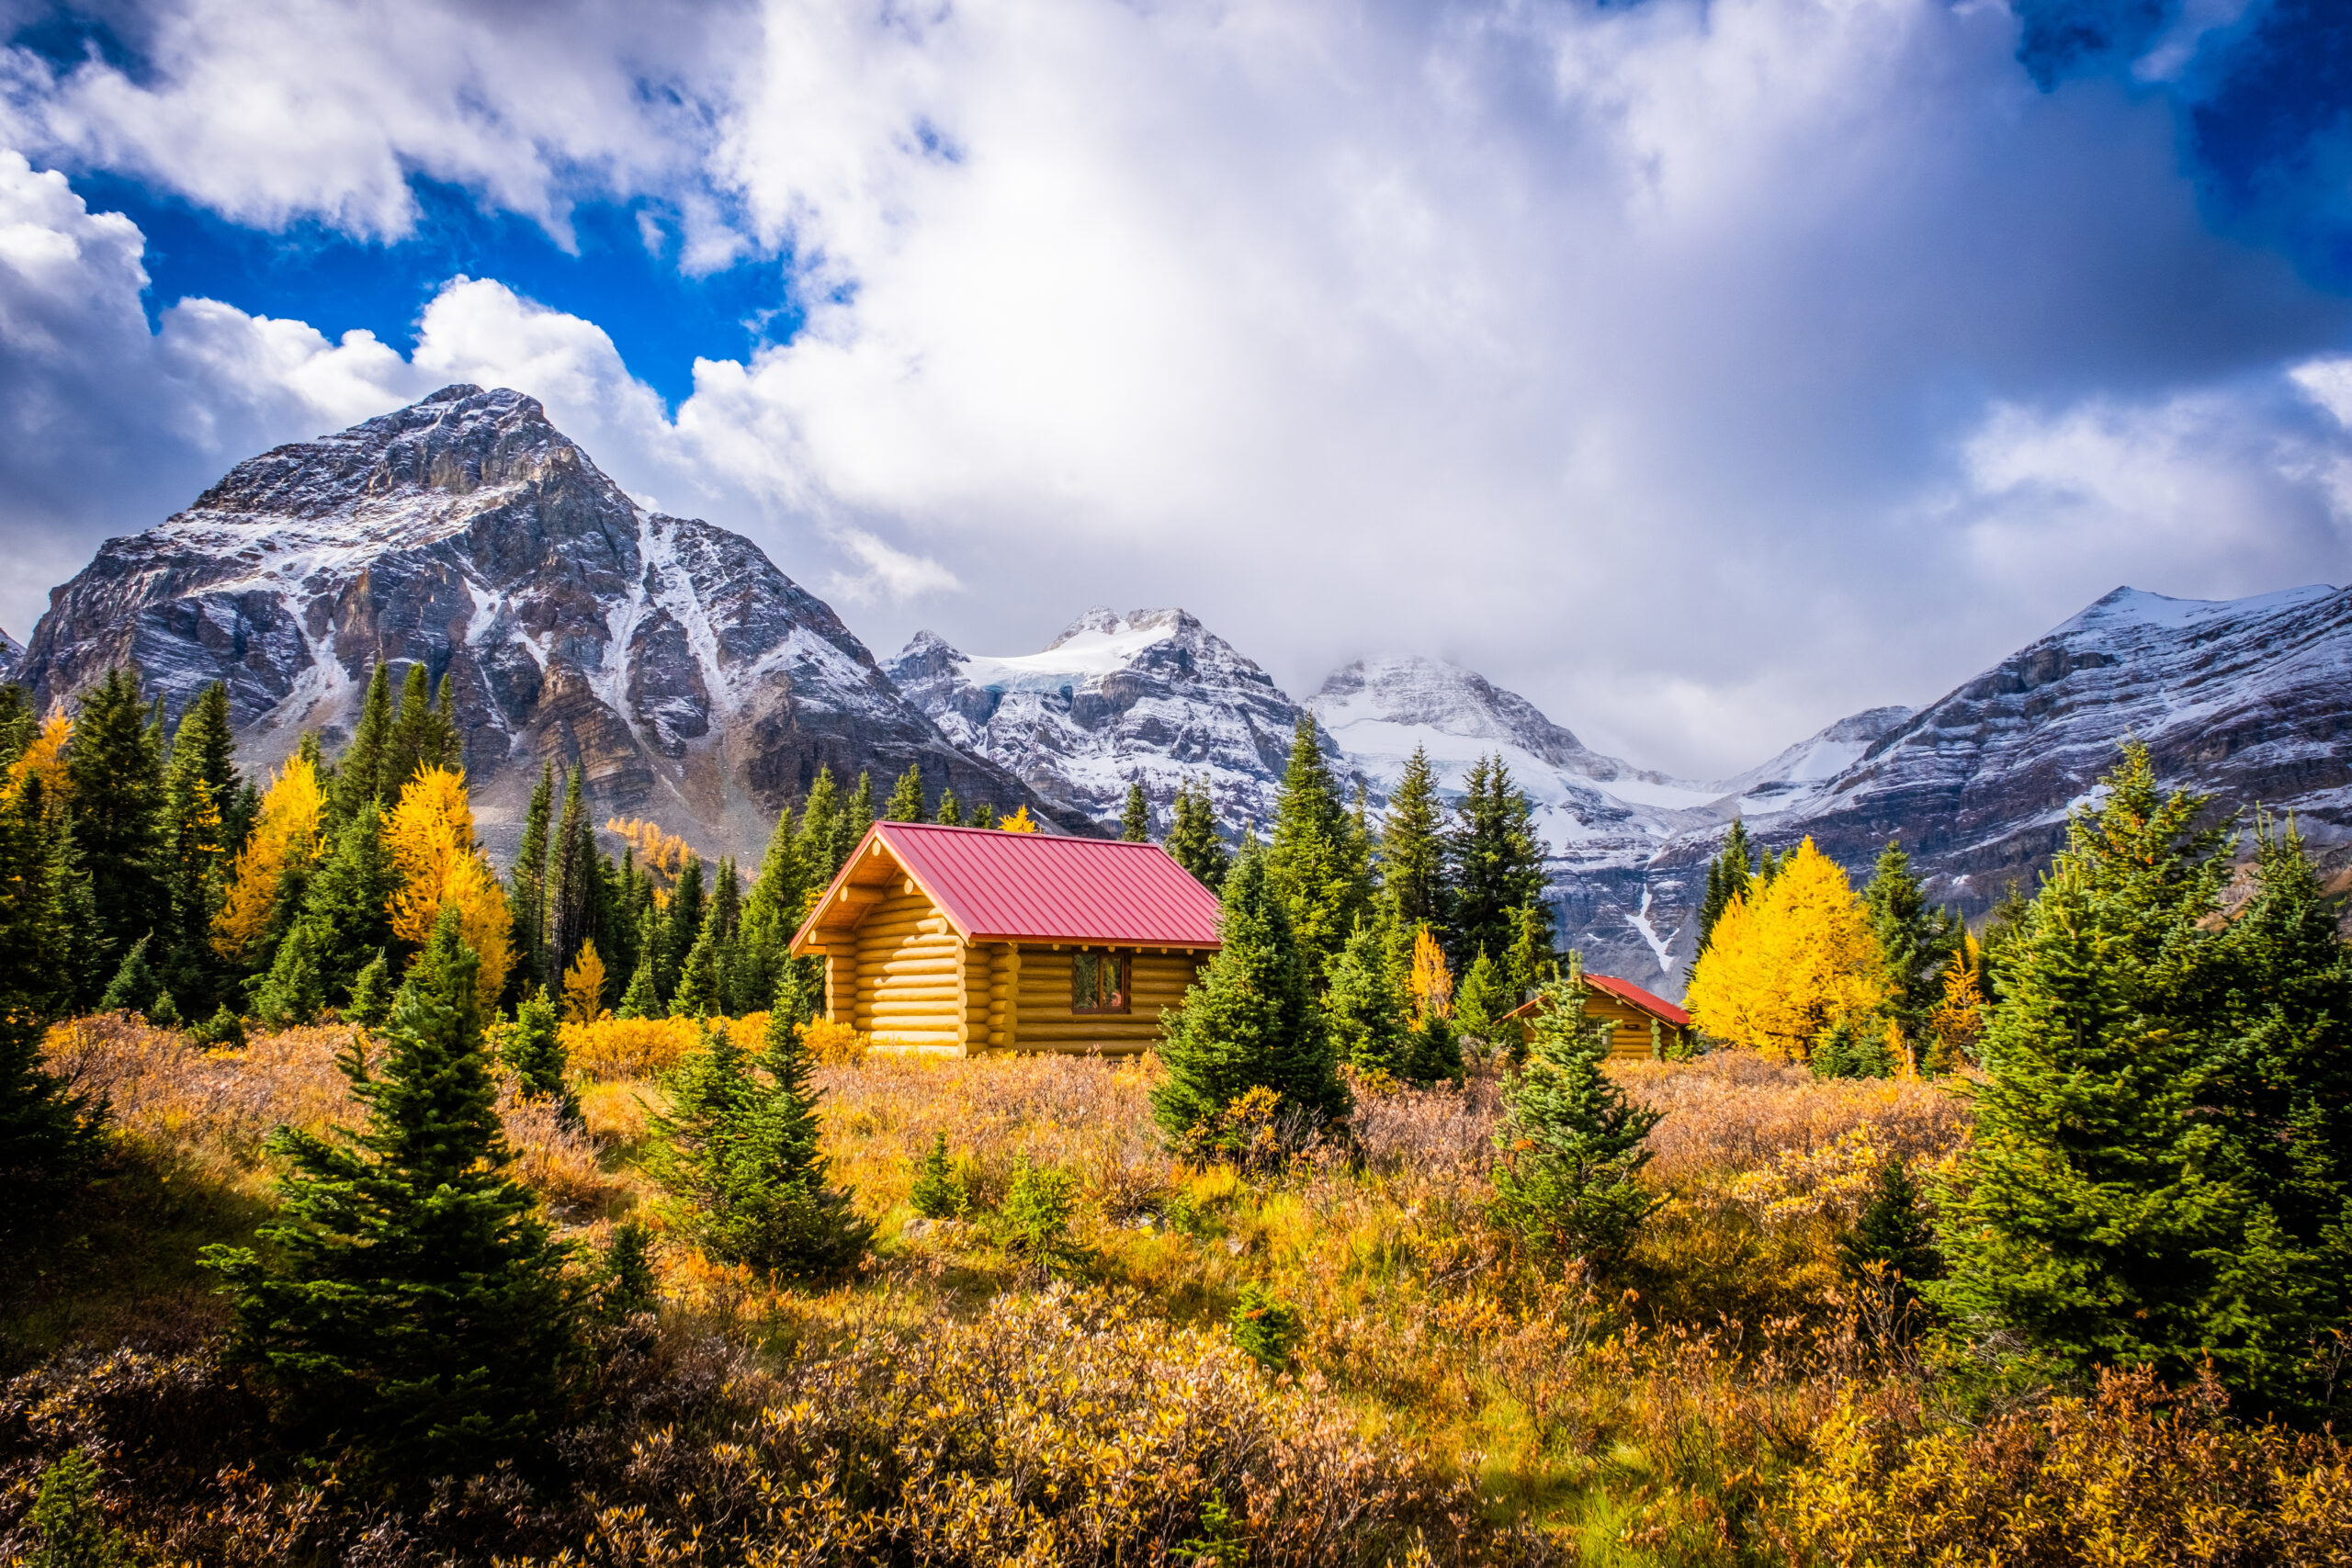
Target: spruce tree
906 796
983 816
820 831
1249 1021
415 1308
117 782
772 913
1135 819
363 773
294 991
951 810
528 893
42 920
1728 876
371 994
534 1049
642 999
1481 998
697 992
349 899
857 816
1316 862
135 982
682 924
1412 846
201 792
1366 1007
1569 1148
48 1134
1494 861
1192 841
1894 1237
1915 940
571 878
1531 963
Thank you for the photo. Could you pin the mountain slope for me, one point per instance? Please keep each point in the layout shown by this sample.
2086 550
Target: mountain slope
699 684
1150 697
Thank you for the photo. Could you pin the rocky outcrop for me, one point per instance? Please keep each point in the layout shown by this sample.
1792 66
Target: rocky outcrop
699 685
1151 697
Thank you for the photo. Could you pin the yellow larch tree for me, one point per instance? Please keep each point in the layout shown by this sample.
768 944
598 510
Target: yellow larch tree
1957 1023
1432 982
285 836
430 836
45 758
1789 960
1019 822
583 986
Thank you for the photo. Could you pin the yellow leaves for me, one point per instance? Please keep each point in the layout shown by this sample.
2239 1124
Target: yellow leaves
430 836
1788 961
1019 822
45 758
1957 1020
660 855
826 1041
1432 982
285 837
583 986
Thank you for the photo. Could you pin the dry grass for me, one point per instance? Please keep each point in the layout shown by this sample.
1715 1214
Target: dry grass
1736 1111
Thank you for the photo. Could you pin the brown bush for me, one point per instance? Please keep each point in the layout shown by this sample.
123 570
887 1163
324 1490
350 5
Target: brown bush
1731 1112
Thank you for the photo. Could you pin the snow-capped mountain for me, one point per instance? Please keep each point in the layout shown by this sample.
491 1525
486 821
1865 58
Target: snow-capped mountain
12 653
1150 697
700 685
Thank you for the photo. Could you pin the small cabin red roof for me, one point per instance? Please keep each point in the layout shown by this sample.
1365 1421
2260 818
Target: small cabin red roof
1625 991
998 886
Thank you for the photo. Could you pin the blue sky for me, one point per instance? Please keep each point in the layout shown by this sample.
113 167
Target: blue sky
1704 370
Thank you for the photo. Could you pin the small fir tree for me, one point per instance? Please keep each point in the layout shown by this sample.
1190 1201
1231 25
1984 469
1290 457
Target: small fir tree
1316 861
640 998
819 843
983 815
68 1522
535 1051
1192 841
415 1308
951 810
630 1288
697 994
1412 845
362 781
906 796
1915 941
48 1135
116 799
571 893
1894 1237
772 912
1135 819
1366 1007
294 992
1481 998
371 994
134 985
1531 963
939 1191
1249 1021
1494 860
1569 1149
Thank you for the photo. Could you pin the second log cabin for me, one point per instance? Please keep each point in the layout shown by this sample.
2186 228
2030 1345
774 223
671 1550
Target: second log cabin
958 940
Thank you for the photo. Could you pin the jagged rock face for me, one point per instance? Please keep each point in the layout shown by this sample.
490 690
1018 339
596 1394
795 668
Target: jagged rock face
1151 697
699 684
12 653
2245 699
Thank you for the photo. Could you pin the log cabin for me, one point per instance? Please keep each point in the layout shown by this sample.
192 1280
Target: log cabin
1640 1024
960 941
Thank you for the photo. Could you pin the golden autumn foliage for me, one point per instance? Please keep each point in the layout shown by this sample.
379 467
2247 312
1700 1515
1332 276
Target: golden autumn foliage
1019 822
583 986
430 836
45 758
832 1042
1957 1023
1432 982
1788 960
661 856
285 835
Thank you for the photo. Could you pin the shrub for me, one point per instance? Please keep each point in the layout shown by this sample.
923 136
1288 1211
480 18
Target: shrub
71 1527
939 1191
830 1043
1264 1327
1034 1218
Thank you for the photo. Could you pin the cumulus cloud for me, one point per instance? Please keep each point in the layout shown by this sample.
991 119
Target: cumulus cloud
1705 371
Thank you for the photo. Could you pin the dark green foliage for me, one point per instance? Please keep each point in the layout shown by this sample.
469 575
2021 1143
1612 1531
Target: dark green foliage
425 734
47 934
940 1191
1482 998
294 991
1192 839
528 890
1265 1329
2159 1169
1532 962
737 1153
1317 862
682 924
571 908
199 832
68 1522
363 777
1915 941
1895 1235
48 1134
117 789
906 796
1135 819
628 1288
223 1029
772 912
1367 1006
983 816
1728 877
819 843
1841 1053
697 994
951 810
371 994
1249 1021
415 1311
1412 847
2002 925
641 998
1223 1541
347 898
1568 1178
534 1049
134 984
1432 1050
1494 862
1033 1218
857 816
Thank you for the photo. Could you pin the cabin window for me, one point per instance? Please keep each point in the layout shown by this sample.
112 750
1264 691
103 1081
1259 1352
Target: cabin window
1098 982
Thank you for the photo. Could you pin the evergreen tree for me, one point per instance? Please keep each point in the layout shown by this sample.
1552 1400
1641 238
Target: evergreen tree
1494 862
44 914
362 775
951 810
48 1134
1844 1051
571 878
535 1051
1192 841
1728 876
1570 1154
697 993
1531 963
528 894
1915 941
1894 1238
1412 846
1135 819
294 991
1482 998
414 1306
70 1521
1367 1004
682 925
906 796
135 982
1249 1021
983 816
201 791
2004 923
2129 1198
642 999
820 845
117 800
349 899
857 816
371 994
772 912
1316 862
425 734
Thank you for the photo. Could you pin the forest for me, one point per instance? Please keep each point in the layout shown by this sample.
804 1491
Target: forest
368 1203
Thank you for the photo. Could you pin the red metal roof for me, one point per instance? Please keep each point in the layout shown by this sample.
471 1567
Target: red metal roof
998 886
1625 991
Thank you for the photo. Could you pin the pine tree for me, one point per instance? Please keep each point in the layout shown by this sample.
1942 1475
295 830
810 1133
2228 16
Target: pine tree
1135 819
1728 877
1493 862
1482 998
424 736
1193 841
1531 963
1412 846
1366 1007
117 799
906 796
951 810
1249 1021
535 1051
857 816
1915 940
349 896
1569 1148
820 831
772 912
642 999
983 816
1893 1239
2004 923
697 993
529 890
371 994
135 982
363 774
682 925
46 933
1316 862
414 1307
201 791
48 1135
571 878
294 991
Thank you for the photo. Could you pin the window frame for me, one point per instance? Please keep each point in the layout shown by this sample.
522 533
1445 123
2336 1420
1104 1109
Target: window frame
1123 993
